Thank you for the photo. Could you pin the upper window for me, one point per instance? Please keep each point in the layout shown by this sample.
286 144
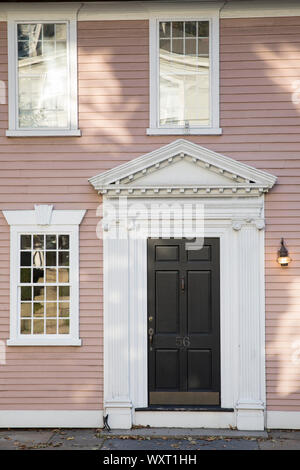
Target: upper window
184 73
42 78
184 77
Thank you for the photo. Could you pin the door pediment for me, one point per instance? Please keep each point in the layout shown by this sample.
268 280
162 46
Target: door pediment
186 169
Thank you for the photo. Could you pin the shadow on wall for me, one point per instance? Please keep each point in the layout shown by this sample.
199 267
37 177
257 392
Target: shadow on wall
260 117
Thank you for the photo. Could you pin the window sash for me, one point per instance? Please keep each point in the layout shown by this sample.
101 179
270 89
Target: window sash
212 128
45 302
68 93
182 122
68 16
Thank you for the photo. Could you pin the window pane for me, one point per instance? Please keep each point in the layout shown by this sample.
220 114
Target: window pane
63 326
64 293
48 31
51 242
38 242
25 258
51 309
25 275
63 258
25 242
38 293
43 76
51 258
63 275
25 327
63 242
38 275
51 292
26 293
38 258
203 47
203 28
64 309
38 327
51 327
26 310
164 29
191 46
38 309
61 32
184 91
50 275
190 29
177 29
177 46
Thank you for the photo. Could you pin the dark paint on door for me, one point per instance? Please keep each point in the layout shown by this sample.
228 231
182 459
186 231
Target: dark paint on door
183 323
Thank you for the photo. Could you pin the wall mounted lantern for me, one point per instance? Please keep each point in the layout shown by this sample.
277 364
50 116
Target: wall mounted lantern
283 255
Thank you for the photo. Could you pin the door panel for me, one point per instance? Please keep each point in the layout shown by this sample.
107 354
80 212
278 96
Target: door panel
167 369
199 302
166 253
183 323
199 359
166 301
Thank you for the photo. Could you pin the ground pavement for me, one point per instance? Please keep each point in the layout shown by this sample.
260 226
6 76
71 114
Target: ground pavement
147 439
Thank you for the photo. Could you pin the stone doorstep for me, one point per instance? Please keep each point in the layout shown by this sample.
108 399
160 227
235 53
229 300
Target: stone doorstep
180 433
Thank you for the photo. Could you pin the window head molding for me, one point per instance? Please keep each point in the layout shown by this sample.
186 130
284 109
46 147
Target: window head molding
188 128
44 277
54 112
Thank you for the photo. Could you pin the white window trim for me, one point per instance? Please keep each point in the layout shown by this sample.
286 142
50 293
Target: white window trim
13 18
213 128
34 222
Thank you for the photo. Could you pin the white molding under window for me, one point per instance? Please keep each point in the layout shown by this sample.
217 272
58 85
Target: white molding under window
69 16
33 222
213 128
44 133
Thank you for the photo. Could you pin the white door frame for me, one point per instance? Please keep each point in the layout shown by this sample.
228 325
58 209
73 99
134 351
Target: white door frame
239 224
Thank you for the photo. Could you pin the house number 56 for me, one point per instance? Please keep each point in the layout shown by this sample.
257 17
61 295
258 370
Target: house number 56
183 342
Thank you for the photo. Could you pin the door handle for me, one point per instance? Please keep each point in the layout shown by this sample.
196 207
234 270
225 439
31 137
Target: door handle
151 333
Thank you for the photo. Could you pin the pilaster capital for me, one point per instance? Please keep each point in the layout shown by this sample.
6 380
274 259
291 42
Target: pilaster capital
237 224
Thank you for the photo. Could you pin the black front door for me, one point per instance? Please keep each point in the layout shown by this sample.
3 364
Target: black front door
183 323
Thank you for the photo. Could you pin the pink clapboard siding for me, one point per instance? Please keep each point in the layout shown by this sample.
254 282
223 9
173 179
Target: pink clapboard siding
261 126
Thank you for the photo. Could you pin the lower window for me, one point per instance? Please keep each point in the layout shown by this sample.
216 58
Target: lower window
44 277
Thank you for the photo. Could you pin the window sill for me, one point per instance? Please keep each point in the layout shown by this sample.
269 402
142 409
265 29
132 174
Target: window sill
183 131
44 342
44 133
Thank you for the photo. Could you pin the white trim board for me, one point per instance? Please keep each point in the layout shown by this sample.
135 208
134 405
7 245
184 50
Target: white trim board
93 11
51 418
283 420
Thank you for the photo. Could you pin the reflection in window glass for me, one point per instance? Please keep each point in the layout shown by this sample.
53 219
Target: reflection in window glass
184 85
43 75
44 283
